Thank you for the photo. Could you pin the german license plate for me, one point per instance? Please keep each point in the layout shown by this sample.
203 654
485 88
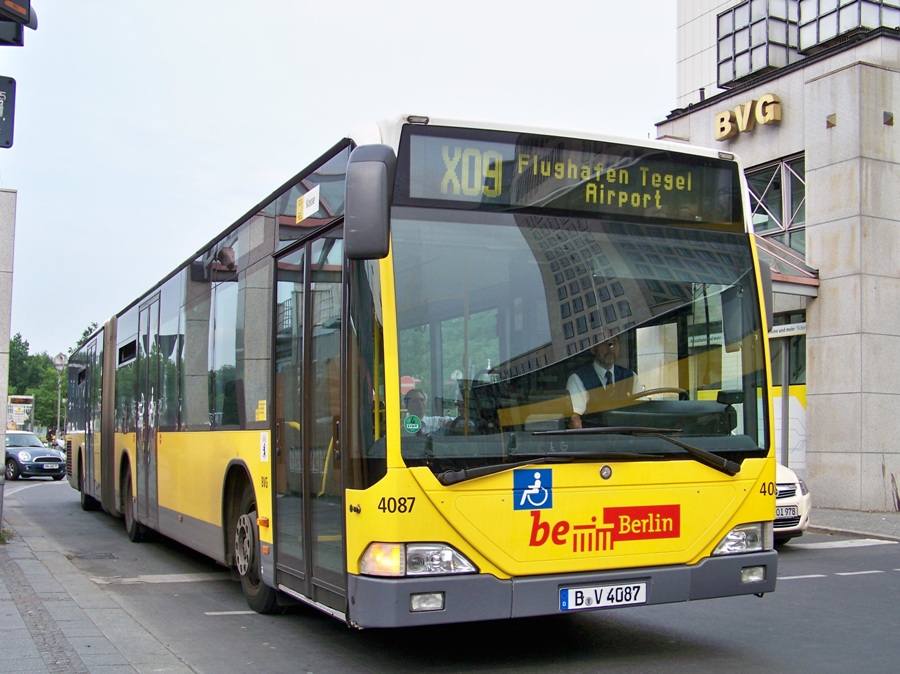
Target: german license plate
785 511
598 596
51 466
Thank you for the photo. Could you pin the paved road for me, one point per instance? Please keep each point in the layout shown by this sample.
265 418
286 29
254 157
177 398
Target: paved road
76 596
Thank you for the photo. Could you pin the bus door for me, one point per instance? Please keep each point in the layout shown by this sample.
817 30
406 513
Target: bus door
88 404
308 481
147 400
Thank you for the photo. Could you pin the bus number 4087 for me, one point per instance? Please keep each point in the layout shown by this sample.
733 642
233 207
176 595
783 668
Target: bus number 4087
401 504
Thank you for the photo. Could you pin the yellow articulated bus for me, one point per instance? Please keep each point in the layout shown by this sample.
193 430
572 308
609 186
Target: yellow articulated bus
453 372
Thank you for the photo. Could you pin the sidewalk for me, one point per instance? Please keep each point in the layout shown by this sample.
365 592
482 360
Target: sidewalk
54 619
855 523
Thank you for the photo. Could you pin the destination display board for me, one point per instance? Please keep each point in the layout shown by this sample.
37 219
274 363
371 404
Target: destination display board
478 169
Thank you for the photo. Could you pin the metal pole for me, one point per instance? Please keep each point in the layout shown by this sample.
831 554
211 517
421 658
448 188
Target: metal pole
59 362
2 487
786 401
58 400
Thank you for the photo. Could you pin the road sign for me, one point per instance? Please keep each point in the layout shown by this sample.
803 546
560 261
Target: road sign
19 408
19 414
7 110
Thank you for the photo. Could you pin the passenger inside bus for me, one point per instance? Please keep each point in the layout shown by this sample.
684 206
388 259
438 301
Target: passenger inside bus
593 386
417 405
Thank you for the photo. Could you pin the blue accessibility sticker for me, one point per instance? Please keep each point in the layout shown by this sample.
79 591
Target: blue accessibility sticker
533 489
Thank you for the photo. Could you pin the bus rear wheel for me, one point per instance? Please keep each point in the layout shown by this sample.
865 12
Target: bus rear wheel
88 502
260 597
133 528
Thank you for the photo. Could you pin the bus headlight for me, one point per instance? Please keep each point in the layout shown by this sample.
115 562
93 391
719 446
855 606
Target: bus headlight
753 537
413 559
435 559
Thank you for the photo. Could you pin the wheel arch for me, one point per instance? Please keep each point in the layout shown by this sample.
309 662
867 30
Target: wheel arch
78 466
237 479
15 462
122 462
124 465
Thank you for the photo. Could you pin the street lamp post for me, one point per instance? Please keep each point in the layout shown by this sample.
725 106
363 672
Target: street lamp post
59 362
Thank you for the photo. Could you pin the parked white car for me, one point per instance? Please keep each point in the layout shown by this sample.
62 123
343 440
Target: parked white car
792 505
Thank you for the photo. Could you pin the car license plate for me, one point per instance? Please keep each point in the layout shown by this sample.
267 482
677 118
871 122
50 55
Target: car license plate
51 466
598 596
785 511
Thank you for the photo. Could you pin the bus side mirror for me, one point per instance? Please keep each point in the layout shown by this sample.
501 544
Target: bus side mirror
370 184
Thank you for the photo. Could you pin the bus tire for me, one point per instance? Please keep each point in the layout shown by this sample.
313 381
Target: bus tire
88 502
133 528
260 597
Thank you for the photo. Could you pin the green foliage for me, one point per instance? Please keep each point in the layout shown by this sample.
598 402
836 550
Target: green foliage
88 331
466 345
25 371
415 355
35 374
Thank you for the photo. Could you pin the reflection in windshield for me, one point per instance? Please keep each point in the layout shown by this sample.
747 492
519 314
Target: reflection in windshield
496 312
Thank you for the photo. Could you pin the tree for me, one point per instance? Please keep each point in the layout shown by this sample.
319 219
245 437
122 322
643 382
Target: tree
25 371
45 399
88 331
35 375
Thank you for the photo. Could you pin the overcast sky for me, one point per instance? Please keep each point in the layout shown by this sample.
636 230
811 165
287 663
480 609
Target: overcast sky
144 128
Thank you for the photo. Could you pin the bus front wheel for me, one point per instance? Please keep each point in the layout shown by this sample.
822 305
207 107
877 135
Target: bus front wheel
260 597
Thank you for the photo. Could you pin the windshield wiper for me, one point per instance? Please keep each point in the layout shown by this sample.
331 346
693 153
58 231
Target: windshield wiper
719 463
449 477
609 430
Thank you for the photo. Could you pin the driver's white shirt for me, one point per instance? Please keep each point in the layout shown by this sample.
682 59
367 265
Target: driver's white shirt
580 395
434 424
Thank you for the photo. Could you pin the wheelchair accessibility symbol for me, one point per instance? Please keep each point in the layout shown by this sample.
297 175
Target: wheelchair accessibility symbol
533 489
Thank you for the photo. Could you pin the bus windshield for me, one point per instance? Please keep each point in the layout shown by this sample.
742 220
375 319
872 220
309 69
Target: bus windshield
496 311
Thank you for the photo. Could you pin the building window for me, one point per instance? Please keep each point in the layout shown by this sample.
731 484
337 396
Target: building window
756 36
778 201
821 21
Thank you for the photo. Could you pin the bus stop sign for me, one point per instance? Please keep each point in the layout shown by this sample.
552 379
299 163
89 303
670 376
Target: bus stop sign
7 110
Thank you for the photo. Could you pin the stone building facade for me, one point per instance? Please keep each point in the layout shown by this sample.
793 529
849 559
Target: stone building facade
807 94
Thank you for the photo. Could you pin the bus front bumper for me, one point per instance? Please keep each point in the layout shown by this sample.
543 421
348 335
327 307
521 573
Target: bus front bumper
387 602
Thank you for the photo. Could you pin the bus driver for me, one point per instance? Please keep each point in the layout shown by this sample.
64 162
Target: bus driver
600 380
